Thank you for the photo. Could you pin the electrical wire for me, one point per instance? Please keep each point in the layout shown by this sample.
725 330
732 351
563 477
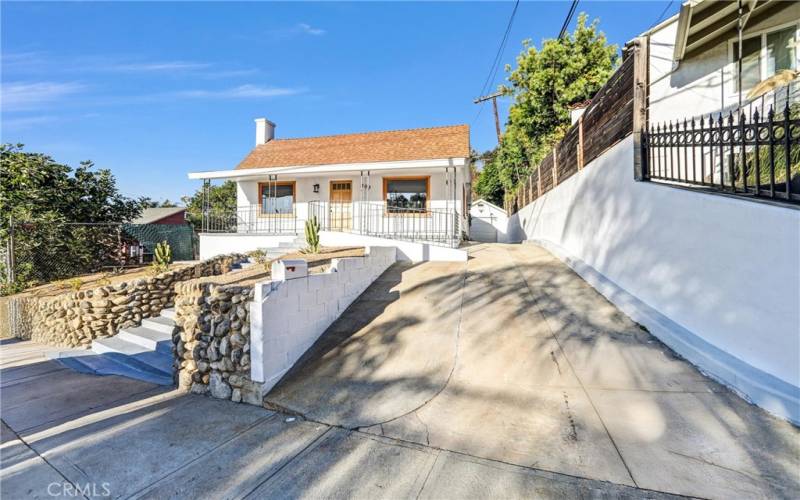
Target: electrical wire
490 78
662 14
568 19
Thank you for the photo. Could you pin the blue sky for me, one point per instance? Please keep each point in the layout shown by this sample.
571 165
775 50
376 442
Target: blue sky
155 90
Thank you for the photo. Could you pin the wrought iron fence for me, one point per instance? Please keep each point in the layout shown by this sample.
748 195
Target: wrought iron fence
756 155
253 219
438 226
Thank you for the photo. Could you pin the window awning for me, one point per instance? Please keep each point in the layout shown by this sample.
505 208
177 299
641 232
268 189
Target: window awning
703 23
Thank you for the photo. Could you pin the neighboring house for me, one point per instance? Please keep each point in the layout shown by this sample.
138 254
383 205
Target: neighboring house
155 225
408 185
488 222
693 57
162 215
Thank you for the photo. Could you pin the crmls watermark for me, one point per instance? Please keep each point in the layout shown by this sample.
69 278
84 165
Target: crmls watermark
79 490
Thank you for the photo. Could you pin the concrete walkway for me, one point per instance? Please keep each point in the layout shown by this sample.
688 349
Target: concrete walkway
503 377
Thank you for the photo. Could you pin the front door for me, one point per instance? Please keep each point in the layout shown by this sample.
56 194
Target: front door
341 205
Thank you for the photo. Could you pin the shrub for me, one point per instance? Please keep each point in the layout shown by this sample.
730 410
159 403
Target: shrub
259 256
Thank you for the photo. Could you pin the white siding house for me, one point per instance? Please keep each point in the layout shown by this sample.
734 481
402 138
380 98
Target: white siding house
693 57
404 185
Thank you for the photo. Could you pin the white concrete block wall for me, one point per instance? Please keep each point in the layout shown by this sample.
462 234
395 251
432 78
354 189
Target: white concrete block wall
714 277
287 317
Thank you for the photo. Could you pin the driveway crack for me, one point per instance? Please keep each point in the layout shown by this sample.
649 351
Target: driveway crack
449 375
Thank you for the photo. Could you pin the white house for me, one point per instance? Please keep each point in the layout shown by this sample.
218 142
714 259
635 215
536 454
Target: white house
401 185
693 56
488 222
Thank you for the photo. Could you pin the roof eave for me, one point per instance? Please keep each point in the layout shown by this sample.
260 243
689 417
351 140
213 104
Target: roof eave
330 168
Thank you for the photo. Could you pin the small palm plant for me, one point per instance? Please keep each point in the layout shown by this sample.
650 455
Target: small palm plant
162 257
312 235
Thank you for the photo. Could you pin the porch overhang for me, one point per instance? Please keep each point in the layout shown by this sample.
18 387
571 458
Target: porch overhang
315 170
704 23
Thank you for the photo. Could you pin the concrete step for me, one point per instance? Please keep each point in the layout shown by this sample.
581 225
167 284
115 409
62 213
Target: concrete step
118 345
143 352
160 324
168 313
144 336
296 243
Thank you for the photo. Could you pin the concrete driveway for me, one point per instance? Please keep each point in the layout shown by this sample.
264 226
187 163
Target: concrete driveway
513 358
506 376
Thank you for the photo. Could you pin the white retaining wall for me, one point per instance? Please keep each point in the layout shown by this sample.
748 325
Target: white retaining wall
213 244
716 278
287 317
406 250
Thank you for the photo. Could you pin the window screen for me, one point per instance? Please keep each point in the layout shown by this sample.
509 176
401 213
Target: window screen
406 195
277 199
781 51
751 69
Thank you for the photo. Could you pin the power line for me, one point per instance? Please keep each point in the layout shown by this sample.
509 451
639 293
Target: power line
496 62
662 13
499 55
561 34
568 19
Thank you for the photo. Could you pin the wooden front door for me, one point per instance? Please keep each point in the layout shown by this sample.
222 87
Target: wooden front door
341 205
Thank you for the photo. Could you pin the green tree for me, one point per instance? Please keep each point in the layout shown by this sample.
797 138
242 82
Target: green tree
151 203
487 183
42 198
545 82
222 200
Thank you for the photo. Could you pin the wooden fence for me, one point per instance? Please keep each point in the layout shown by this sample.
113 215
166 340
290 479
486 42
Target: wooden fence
607 120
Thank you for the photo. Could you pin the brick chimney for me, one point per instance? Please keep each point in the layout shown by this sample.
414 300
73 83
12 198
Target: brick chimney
265 131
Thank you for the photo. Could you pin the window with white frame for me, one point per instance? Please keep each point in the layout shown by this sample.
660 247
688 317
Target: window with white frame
765 54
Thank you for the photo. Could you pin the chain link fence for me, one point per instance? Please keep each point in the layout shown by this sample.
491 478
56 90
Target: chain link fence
35 253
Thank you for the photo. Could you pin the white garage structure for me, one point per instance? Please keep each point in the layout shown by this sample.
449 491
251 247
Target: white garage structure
488 222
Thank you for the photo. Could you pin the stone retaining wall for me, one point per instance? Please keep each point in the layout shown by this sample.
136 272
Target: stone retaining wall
219 351
211 341
77 318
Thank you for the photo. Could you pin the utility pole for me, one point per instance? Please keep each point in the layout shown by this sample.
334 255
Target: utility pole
493 97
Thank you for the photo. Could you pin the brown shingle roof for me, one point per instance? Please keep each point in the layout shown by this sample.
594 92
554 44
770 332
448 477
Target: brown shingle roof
394 145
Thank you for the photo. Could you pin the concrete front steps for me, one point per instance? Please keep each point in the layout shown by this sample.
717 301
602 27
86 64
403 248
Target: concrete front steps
142 352
273 253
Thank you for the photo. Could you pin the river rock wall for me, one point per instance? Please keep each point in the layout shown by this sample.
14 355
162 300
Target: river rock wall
211 341
76 318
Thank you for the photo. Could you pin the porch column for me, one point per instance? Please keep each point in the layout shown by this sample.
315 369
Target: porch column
364 209
204 224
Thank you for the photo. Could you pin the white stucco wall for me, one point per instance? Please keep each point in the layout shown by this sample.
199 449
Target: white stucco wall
702 83
287 317
213 244
716 278
406 250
